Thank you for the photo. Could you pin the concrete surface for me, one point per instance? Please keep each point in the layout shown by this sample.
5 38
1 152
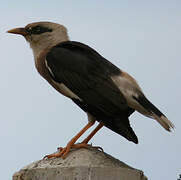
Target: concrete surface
81 164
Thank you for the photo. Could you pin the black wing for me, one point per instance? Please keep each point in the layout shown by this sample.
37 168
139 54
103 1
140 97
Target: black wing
88 75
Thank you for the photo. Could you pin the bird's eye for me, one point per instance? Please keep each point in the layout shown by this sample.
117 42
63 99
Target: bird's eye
38 30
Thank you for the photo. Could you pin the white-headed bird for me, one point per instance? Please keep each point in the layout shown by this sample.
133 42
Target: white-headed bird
106 93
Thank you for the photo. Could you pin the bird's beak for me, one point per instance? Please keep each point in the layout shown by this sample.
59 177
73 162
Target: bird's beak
20 31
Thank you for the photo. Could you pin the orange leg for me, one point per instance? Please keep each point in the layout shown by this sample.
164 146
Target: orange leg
87 139
84 143
64 151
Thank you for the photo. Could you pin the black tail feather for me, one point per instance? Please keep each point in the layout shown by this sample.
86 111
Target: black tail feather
148 105
154 112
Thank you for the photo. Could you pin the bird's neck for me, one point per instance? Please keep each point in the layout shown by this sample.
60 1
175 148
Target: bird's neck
45 44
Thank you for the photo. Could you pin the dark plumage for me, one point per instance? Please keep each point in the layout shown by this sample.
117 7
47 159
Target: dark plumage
106 93
88 75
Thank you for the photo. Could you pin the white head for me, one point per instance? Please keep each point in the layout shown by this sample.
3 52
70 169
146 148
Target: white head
42 35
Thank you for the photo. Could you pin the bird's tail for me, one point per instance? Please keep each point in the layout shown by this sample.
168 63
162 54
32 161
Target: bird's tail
154 112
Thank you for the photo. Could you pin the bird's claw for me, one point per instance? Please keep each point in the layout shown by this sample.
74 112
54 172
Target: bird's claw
98 148
62 152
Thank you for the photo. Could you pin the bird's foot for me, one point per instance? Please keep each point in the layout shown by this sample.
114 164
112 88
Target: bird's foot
82 145
64 151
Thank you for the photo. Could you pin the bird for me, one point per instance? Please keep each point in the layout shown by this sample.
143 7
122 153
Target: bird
106 93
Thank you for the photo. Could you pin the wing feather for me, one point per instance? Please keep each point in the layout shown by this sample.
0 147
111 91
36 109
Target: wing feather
88 75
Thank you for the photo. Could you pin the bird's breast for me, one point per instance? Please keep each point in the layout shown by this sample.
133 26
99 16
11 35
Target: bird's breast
40 63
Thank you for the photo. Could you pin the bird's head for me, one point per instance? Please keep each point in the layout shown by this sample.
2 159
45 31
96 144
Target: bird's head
42 35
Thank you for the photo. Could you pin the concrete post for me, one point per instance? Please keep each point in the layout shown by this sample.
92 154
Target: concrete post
81 164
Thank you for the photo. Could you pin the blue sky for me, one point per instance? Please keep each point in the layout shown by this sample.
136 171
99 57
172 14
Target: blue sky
140 37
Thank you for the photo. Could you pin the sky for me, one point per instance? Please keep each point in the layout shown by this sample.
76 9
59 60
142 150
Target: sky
141 37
